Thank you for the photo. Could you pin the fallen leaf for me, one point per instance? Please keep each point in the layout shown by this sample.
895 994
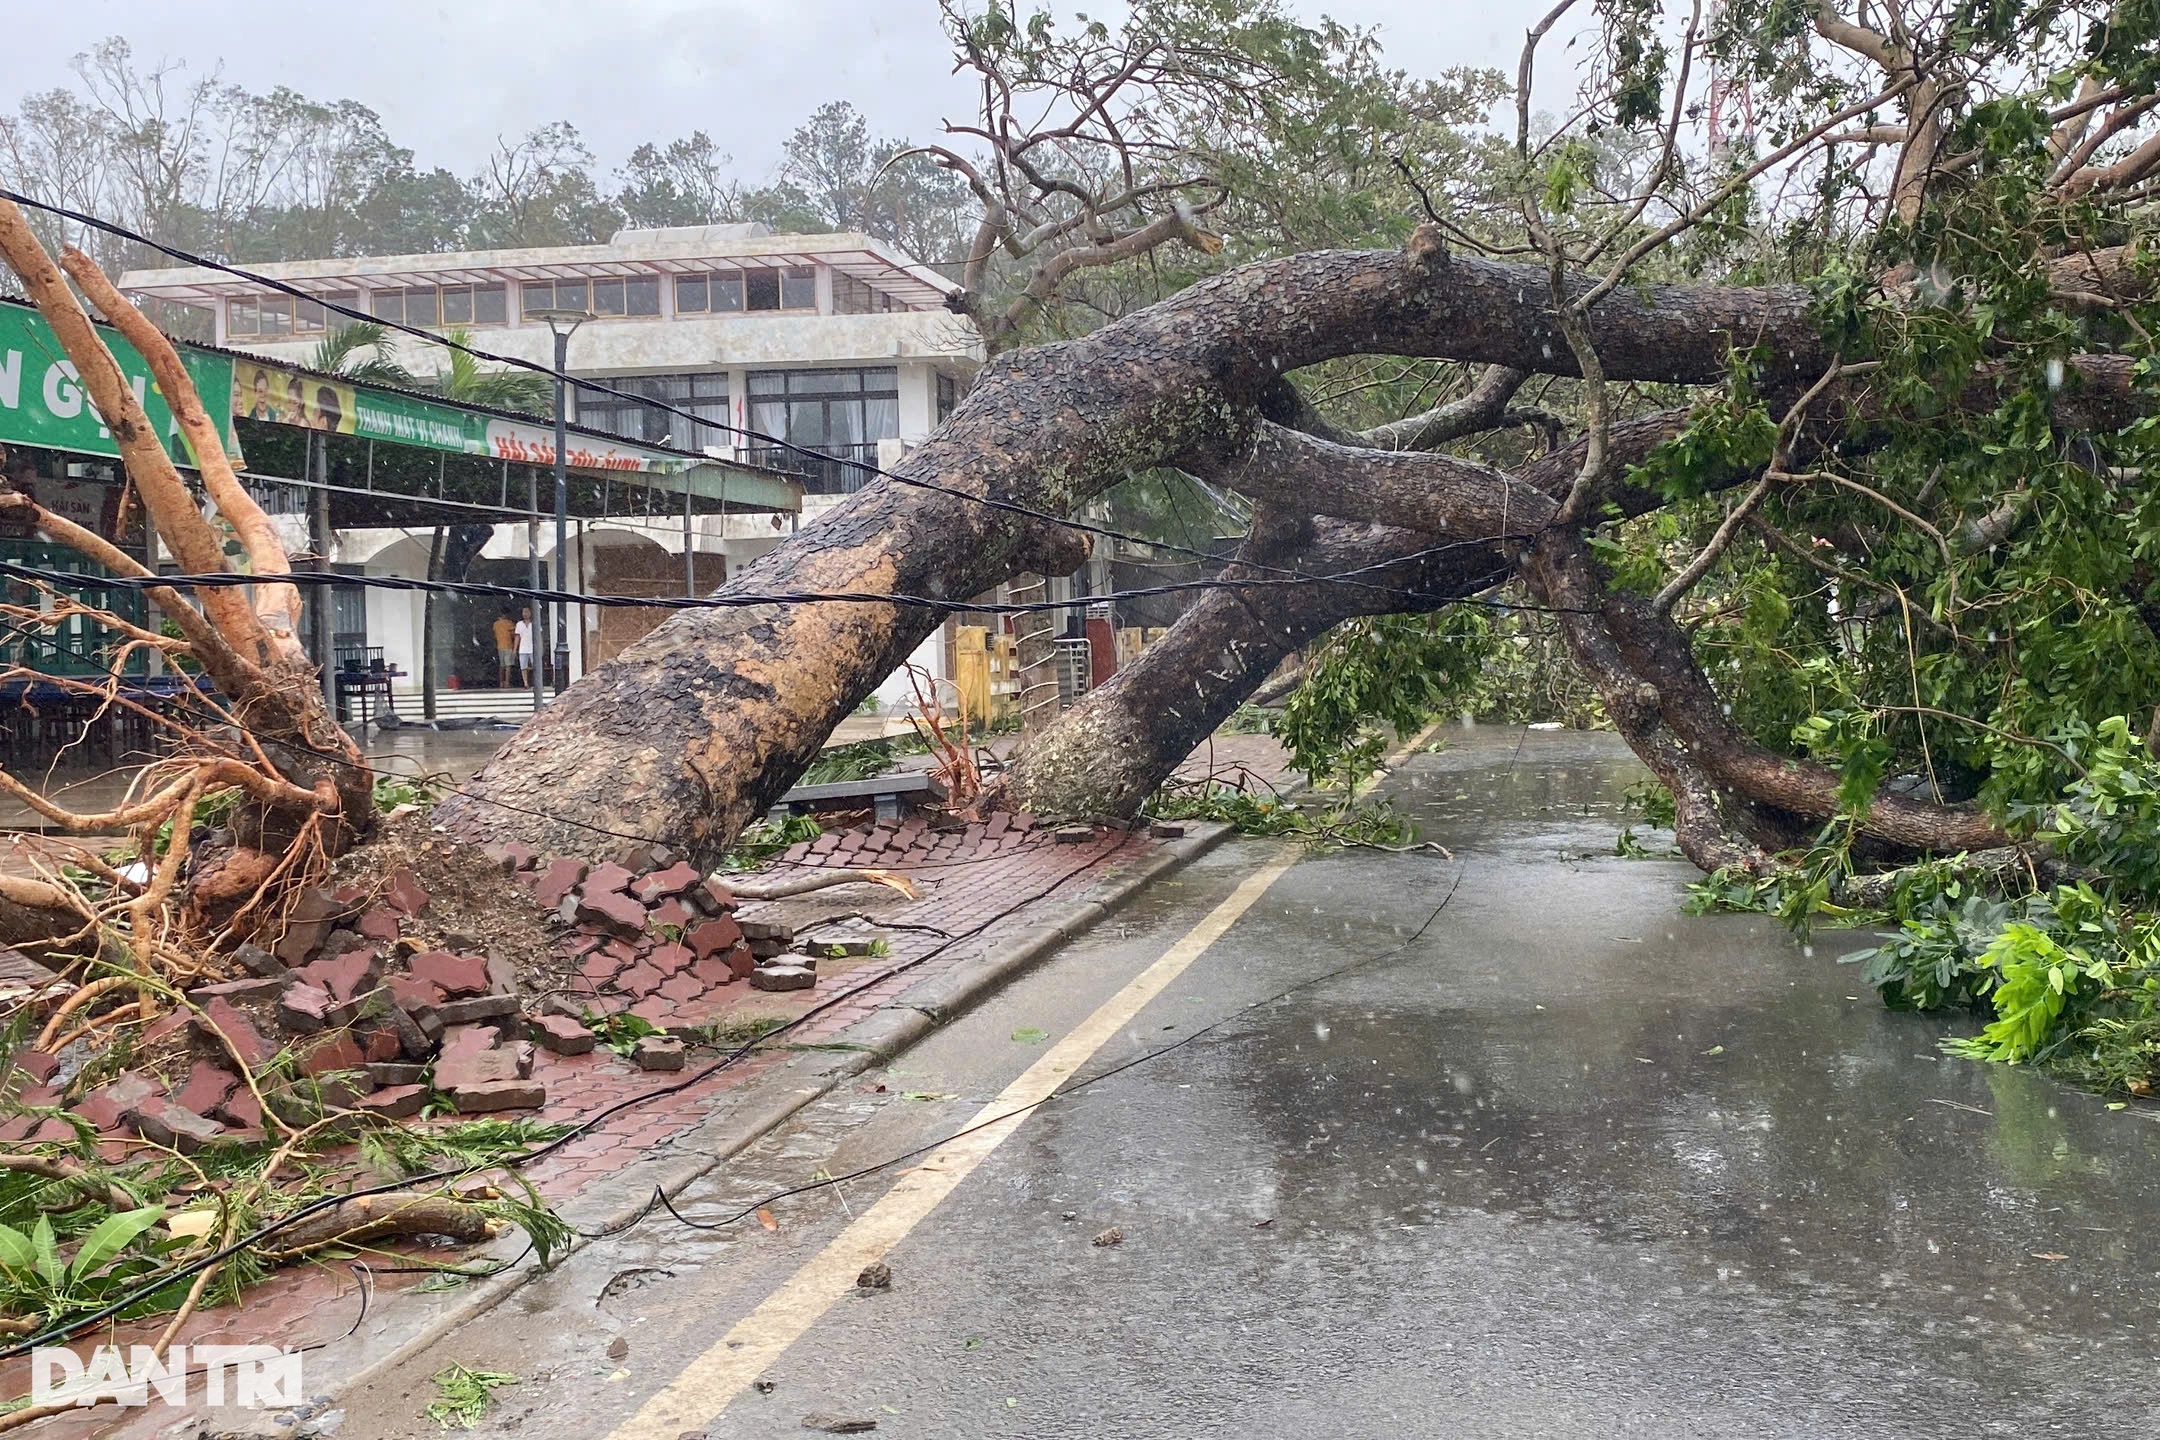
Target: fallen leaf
1111 1236
928 1095
192 1224
1715 1050
618 1375
765 1218
1029 1035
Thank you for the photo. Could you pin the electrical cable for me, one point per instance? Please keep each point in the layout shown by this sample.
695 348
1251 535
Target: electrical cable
727 1061
74 581
538 368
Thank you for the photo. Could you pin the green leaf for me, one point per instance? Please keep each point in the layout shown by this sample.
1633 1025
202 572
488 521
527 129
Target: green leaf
16 1251
48 1252
1029 1035
113 1234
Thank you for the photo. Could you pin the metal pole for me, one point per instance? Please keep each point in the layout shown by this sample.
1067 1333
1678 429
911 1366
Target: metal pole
532 562
689 554
562 510
322 599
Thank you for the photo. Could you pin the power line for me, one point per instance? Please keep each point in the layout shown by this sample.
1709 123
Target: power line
649 402
72 581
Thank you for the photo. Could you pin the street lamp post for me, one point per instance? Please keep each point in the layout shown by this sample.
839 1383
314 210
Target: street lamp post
564 323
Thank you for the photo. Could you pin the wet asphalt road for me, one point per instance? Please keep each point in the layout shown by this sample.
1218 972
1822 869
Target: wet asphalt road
1568 1164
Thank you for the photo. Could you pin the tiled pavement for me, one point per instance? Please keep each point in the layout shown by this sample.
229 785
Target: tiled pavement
970 878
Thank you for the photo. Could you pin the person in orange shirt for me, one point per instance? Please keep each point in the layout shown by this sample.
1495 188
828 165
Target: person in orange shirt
506 657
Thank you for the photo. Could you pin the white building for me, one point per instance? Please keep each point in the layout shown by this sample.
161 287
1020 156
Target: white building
836 344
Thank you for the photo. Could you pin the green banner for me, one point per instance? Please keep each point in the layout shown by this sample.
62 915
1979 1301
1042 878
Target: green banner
42 402
280 395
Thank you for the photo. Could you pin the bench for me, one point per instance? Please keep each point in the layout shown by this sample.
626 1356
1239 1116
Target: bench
884 792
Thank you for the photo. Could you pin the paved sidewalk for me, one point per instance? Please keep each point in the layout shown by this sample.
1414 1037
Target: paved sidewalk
927 941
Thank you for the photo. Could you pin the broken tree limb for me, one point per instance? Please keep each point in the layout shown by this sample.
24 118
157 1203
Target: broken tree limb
780 889
364 1219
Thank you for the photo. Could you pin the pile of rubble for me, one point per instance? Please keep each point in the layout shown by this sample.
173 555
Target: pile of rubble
377 1019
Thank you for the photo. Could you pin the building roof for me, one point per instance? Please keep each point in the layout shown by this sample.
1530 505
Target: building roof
629 252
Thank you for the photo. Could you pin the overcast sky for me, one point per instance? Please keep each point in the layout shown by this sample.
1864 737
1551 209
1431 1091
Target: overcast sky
449 78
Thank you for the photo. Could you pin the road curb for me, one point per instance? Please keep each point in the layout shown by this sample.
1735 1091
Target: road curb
769 1101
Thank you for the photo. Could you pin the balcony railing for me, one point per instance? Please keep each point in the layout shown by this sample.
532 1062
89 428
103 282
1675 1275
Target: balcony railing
833 470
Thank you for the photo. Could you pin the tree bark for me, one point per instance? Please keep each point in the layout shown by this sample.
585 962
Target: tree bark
1119 744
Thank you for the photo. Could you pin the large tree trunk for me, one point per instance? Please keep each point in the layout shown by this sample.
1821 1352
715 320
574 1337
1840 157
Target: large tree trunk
1115 748
693 731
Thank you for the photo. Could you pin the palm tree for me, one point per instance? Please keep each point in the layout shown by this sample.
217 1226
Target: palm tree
504 389
362 351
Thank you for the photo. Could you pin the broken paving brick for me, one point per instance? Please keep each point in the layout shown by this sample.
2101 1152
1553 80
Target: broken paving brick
741 962
608 879
38 1065
681 988
392 1073
258 961
109 1104
404 892
478 1099
171 1022
397 1102
345 978
782 977
673 915
613 909
241 1110
561 1034
479 1007
335 1051
304 1008
452 974
767 949
710 937
380 924
246 1040
669 959
558 880
1075 834
383 1043
639 979
712 970
658 1052
714 896
835 943
765 929
478 1067
501 976
174 1126
677 879
206 1088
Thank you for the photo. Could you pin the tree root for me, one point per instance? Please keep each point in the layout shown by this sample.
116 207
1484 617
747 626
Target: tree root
822 880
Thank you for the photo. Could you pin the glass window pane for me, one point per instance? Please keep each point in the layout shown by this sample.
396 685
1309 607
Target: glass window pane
350 299
824 382
607 297
570 294
727 291
763 289
767 417
241 315
421 307
806 423
690 294
713 383
307 315
881 419
843 423
537 295
798 291
388 305
488 305
881 377
642 296
768 382
457 305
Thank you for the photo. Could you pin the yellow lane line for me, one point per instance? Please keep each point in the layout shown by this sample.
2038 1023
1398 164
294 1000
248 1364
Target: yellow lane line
713 1379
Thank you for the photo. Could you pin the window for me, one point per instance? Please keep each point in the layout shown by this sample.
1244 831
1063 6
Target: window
558 295
642 296
308 316
840 414
457 304
702 395
856 297
423 306
388 305
490 305
798 289
607 297
691 296
764 289
240 316
948 395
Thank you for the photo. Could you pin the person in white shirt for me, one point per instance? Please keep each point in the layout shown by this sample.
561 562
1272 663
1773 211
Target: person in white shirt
524 634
